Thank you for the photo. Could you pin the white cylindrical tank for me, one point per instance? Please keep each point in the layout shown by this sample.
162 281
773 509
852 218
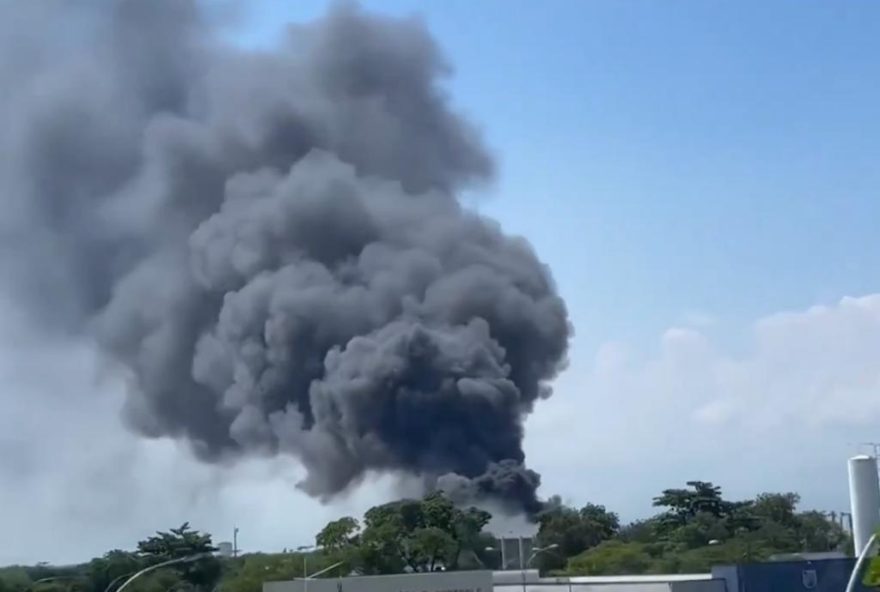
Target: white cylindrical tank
864 496
224 549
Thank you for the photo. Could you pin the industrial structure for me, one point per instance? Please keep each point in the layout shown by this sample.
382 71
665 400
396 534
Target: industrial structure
515 552
864 494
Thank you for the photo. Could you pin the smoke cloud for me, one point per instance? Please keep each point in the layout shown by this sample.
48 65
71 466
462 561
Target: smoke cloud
270 243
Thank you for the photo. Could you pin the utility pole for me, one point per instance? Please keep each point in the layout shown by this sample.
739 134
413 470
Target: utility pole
235 541
875 451
874 446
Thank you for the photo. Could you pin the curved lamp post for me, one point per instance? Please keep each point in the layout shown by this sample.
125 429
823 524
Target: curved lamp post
535 552
116 579
538 550
305 549
485 550
325 570
55 579
163 564
860 563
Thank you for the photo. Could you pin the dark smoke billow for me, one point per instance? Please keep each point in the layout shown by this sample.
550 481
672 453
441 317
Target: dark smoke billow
269 242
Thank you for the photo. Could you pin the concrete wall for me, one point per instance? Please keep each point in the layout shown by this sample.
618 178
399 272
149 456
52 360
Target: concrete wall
482 581
517 577
453 581
622 587
647 583
701 586
615 587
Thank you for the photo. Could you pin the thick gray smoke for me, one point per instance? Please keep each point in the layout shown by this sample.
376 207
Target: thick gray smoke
270 242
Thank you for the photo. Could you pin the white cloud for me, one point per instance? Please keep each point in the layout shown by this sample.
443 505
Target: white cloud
782 414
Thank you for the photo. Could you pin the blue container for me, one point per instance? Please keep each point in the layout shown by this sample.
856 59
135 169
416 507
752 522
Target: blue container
824 575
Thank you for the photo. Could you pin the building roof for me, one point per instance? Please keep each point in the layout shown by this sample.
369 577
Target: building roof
641 579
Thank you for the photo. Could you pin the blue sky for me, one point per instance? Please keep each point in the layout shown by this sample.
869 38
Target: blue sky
667 158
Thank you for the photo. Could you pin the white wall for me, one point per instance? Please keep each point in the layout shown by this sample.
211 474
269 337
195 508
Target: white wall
617 587
681 586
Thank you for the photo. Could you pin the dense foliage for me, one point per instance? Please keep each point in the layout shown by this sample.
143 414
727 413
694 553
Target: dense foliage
409 535
200 574
694 529
698 528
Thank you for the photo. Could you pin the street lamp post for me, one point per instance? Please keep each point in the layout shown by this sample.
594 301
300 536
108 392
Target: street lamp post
860 563
535 552
306 576
55 579
304 550
538 550
163 564
325 570
116 579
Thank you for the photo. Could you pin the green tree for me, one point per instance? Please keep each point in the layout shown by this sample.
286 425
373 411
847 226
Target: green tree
605 522
339 535
702 559
702 497
612 557
181 542
701 530
112 567
15 579
683 504
418 535
639 531
817 533
432 547
382 546
696 530
572 531
467 533
776 507
175 543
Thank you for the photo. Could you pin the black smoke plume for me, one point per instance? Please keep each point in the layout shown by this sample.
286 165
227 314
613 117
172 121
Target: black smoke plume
270 243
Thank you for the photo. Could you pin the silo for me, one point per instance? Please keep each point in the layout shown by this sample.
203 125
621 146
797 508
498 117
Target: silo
864 495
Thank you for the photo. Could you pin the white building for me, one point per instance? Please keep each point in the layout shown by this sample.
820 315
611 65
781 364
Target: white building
502 581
